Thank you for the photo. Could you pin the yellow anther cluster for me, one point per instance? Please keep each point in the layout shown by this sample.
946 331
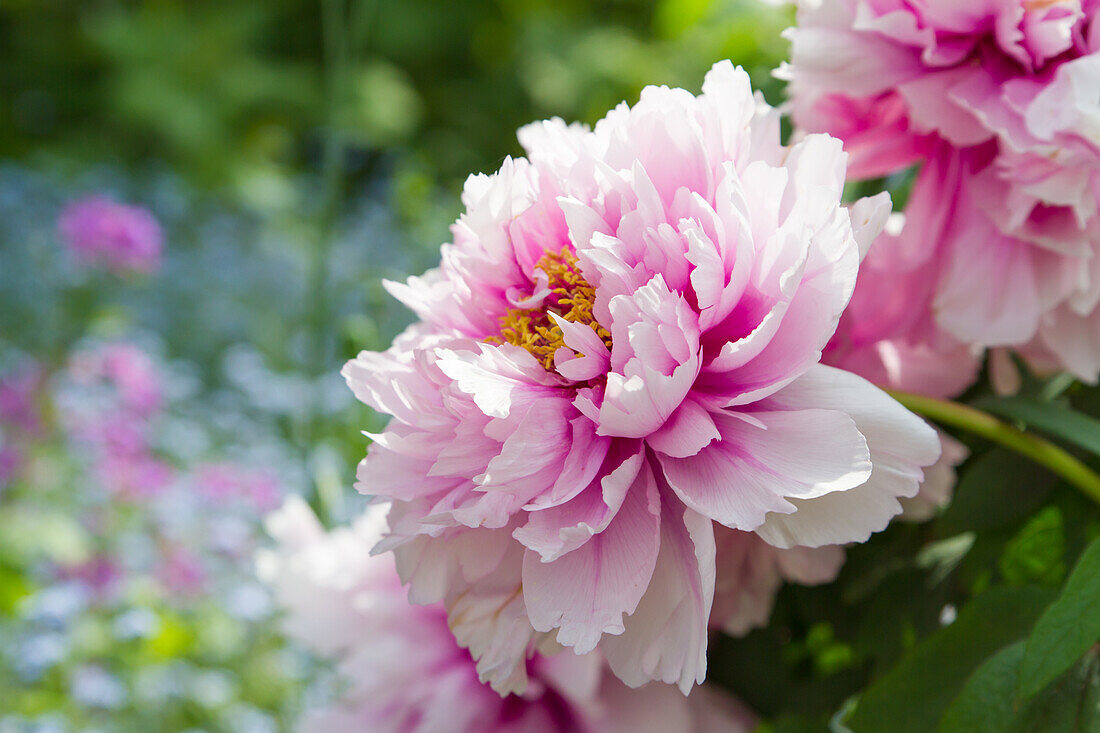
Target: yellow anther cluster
571 297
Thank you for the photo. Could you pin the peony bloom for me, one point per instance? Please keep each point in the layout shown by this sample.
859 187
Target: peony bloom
938 486
998 101
751 572
406 674
887 334
618 353
121 238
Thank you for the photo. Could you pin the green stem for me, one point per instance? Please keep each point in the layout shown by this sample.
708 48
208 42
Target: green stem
981 423
318 305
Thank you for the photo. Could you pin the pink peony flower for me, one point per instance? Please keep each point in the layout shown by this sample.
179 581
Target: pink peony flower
751 572
939 483
998 101
122 238
619 350
887 334
404 671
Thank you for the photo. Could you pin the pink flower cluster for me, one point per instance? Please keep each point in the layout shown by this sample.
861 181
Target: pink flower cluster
405 673
611 429
119 237
116 428
997 101
18 395
111 404
20 420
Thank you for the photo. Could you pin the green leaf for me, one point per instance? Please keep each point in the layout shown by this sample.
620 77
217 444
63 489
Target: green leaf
988 702
1070 703
912 696
1050 417
1067 629
1037 553
996 488
794 724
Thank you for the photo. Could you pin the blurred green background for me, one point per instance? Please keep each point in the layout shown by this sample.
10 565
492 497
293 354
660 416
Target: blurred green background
240 95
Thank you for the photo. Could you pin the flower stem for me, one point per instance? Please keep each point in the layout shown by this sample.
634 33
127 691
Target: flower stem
981 423
318 304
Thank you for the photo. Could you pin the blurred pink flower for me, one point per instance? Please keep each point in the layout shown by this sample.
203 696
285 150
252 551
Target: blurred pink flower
18 395
127 368
887 334
100 574
619 350
225 482
939 483
120 237
133 476
181 572
998 100
404 672
751 572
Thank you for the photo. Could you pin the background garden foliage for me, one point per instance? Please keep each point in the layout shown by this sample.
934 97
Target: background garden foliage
295 153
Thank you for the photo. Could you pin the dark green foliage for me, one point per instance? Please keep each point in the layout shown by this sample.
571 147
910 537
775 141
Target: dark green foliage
1067 629
1035 554
989 703
995 488
913 695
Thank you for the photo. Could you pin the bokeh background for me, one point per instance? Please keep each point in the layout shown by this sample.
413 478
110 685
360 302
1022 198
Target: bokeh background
293 154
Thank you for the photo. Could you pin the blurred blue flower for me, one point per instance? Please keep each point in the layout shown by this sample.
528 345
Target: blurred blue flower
54 606
97 688
136 623
36 654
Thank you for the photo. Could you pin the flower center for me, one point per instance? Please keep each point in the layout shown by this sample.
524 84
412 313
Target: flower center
1040 4
571 297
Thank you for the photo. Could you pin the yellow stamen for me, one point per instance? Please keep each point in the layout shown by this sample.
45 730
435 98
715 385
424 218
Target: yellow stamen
1033 5
571 297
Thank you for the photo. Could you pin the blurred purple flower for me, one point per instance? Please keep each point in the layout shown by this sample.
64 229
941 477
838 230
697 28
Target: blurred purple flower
120 237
